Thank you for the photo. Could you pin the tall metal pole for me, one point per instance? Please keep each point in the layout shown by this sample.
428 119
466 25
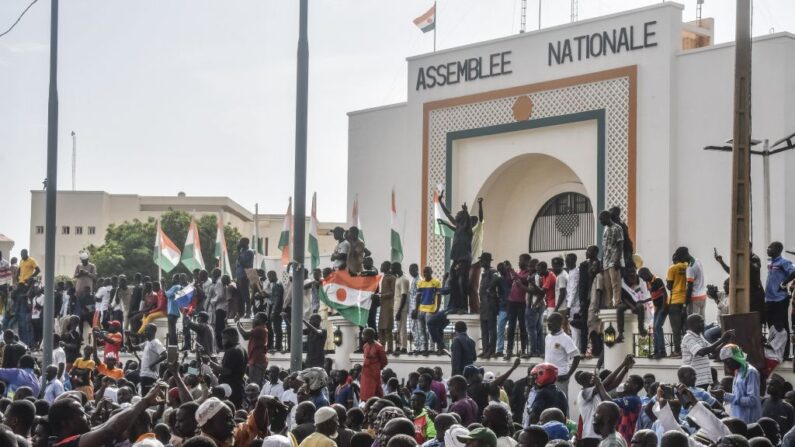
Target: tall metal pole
766 174
539 14
299 213
74 161
741 165
52 188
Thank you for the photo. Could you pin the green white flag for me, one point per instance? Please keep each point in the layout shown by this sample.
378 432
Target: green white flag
192 252
395 243
314 248
166 254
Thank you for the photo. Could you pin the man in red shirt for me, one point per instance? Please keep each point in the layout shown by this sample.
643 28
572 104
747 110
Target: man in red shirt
257 339
543 299
112 339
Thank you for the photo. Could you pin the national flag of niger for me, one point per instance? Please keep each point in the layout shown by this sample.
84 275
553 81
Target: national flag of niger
427 21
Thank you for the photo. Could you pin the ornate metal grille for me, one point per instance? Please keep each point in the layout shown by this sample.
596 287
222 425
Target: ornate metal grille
565 222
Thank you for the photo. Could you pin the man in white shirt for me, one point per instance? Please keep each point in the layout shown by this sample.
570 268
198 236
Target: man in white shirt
340 253
103 302
561 285
696 297
153 353
572 296
54 387
559 350
273 386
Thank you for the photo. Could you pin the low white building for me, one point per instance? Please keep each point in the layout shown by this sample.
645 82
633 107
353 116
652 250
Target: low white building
84 216
550 127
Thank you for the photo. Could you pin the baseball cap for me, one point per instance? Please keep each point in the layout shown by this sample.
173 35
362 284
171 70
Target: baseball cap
481 434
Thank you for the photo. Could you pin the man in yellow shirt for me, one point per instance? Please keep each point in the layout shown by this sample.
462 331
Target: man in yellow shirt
28 268
676 282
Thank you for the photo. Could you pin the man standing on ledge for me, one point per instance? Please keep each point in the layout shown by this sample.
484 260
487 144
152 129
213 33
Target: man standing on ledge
245 260
461 257
612 262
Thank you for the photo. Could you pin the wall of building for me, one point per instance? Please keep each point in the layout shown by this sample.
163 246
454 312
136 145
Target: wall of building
704 114
380 158
91 212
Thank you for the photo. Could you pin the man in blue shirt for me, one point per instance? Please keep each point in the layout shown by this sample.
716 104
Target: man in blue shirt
178 281
780 271
21 376
745 401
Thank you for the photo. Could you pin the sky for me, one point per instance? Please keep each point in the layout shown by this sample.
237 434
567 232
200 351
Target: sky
199 96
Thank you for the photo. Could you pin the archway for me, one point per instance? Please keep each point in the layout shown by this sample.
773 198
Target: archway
514 195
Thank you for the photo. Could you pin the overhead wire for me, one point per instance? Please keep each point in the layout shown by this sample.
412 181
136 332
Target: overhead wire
18 19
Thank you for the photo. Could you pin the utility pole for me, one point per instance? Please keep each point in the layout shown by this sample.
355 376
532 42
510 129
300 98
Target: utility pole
299 221
539 14
52 189
523 17
74 161
574 10
739 277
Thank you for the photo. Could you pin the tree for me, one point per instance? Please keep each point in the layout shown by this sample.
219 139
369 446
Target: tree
128 246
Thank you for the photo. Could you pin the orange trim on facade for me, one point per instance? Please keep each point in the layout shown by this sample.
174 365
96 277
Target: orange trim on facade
630 72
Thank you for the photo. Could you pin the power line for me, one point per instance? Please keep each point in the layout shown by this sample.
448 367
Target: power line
18 19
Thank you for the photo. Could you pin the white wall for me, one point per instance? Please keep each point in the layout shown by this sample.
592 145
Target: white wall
702 185
380 158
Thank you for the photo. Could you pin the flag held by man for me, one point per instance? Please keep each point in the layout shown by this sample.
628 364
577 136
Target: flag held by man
314 247
221 253
166 254
395 242
351 296
192 252
284 237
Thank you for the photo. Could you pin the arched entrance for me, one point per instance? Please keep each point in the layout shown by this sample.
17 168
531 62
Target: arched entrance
526 193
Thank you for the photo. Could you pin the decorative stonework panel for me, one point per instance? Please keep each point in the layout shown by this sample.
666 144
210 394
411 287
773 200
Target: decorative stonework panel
613 95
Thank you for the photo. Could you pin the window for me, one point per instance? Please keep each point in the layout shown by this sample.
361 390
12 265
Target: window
92 230
265 249
65 229
39 229
565 222
78 230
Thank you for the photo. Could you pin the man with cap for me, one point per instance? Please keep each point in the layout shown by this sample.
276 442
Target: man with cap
215 420
326 425
489 305
85 275
479 437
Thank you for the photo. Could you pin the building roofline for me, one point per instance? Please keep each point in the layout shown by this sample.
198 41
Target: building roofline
377 108
720 46
666 4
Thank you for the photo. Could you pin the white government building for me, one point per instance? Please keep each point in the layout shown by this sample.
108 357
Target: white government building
550 127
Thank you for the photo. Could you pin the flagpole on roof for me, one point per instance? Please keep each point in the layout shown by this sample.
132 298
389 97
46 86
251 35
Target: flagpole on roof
435 25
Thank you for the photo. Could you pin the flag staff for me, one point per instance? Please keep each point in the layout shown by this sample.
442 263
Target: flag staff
435 22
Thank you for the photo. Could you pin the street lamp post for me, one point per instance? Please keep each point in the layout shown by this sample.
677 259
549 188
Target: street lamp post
782 145
299 221
52 190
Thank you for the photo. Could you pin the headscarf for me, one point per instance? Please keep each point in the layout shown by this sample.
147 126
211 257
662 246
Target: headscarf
207 410
452 434
314 378
384 416
732 351
546 373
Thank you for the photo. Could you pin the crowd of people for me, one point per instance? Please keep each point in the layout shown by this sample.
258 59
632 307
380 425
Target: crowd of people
114 382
